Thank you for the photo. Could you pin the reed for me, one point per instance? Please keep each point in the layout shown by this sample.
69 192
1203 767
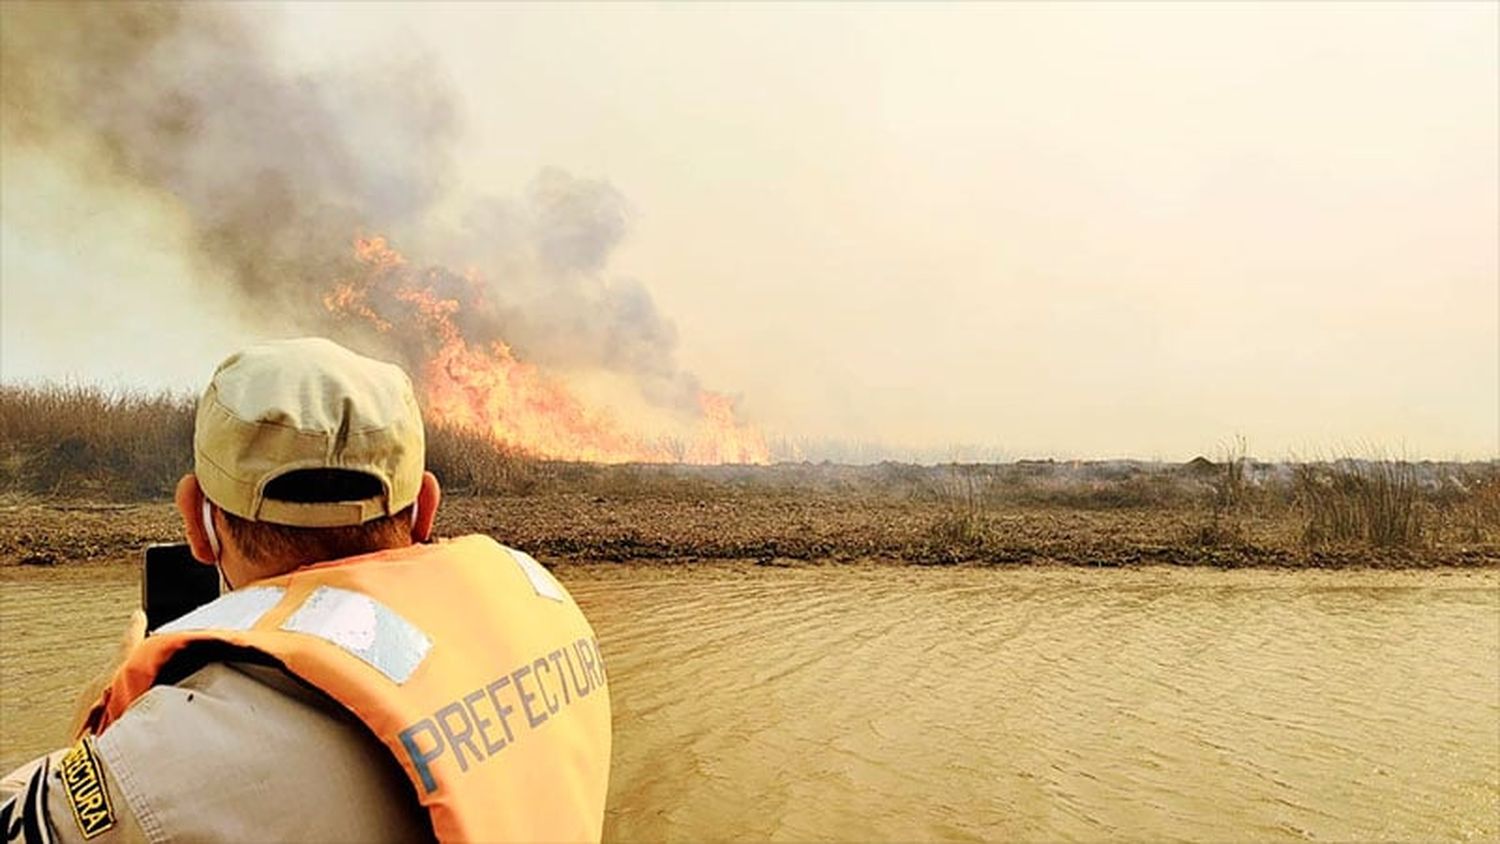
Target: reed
1377 502
1230 497
88 442
962 525
468 462
84 442
91 442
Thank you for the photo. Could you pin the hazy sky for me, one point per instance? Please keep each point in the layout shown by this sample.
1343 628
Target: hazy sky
1079 230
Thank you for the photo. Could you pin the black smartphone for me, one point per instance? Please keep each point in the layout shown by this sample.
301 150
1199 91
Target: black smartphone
174 584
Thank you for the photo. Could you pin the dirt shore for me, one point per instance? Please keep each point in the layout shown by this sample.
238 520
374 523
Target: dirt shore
783 527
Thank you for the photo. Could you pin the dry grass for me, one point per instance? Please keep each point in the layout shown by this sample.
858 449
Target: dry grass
469 463
90 442
87 442
962 525
1376 502
70 448
1229 499
1477 510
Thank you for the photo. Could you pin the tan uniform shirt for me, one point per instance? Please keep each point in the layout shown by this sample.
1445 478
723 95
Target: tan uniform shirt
234 752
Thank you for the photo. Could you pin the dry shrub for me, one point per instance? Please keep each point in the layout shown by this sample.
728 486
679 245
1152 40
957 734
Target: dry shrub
1484 510
1230 497
1063 486
1376 502
1155 491
1468 504
1231 491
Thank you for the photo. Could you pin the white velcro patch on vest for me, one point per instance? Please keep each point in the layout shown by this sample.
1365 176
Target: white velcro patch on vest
363 627
541 579
238 610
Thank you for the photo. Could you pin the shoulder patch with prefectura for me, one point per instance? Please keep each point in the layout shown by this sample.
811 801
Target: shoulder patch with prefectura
83 778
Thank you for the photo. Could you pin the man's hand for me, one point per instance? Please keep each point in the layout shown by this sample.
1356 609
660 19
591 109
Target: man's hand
135 633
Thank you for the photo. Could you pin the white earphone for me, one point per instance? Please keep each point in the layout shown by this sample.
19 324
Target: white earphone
414 508
208 528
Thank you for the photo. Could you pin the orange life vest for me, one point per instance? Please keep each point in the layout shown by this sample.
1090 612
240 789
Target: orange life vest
466 658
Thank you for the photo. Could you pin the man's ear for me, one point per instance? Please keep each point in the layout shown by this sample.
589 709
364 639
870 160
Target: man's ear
428 497
189 500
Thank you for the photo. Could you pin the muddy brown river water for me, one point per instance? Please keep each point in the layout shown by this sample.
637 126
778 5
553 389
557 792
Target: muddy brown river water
898 703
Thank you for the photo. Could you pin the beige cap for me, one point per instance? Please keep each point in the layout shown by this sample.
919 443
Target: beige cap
308 403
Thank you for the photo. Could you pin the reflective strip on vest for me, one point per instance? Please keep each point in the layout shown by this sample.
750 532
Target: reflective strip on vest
365 628
239 610
541 581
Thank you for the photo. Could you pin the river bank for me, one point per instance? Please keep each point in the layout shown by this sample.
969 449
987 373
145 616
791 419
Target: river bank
789 527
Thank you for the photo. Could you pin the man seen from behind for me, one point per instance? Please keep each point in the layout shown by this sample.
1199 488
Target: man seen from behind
357 680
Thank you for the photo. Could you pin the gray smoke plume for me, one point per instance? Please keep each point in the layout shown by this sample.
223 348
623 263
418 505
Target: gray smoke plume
277 173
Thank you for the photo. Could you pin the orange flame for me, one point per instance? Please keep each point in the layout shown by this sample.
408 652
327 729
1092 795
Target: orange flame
484 387
721 439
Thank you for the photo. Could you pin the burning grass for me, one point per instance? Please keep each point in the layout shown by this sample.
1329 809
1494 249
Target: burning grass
478 384
85 474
